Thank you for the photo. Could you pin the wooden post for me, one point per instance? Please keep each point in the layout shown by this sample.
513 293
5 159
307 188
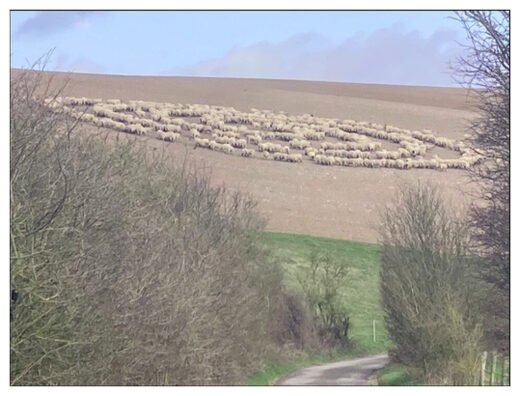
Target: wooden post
374 330
503 366
483 368
493 368
505 372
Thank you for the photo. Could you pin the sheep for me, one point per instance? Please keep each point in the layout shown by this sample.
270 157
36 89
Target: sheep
394 155
224 140
135 128
101 111
227 148
205 129
87 117
353 138
310 135
268 135
270 147
286 137
254 139
172 136
404 153
140 113
323 160
170 128
392 163
299 144
295 158
176 121
458 164
246 152
309 150
71 101
167 136
266 155
201 143
280 156
357 162
150 123
108 123
239 143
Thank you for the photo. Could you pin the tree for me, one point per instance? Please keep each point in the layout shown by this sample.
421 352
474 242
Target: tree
485 68
321 284
427 289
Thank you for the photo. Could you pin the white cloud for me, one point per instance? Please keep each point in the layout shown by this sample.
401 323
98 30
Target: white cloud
391 55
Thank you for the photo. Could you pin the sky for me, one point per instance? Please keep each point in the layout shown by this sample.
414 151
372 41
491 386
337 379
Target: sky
386 47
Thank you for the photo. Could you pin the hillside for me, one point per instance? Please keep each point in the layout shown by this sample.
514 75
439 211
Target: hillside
318 200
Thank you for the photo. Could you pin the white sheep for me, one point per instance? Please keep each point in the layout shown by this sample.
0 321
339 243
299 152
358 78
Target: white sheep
224 140
135 128
246 152
299 144
280 156
227 148
295 158
167 136
254 139
239 143
202 143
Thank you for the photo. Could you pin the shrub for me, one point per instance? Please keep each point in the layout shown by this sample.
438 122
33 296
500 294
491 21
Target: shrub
126 269
320 284
428 287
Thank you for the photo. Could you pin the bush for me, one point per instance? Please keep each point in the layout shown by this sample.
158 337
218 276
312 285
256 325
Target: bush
320 284
428 287
125 269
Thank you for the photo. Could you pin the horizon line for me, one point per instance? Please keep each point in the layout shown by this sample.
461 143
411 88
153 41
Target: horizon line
455 86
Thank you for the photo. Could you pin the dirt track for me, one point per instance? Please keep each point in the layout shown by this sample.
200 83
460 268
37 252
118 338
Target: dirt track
304 198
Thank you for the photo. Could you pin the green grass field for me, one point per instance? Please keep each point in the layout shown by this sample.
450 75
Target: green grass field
360 293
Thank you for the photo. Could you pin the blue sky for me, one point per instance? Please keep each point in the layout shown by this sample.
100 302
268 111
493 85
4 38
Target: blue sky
390 47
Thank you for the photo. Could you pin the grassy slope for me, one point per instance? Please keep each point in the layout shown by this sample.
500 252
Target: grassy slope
361 292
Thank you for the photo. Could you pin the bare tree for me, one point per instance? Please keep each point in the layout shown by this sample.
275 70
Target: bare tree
427 287
485 68
125 268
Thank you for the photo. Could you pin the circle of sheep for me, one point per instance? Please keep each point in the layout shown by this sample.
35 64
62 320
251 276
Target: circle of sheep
273 135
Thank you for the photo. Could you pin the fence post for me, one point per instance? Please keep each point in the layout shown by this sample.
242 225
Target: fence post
483 368
374 330
505 371
493 368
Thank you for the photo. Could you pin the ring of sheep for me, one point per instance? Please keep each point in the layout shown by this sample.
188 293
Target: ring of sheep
274 135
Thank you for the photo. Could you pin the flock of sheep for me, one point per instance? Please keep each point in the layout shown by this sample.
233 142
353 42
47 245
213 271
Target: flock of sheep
271 135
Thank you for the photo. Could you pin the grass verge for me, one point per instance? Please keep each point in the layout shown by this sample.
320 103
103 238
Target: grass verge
394 375
361 294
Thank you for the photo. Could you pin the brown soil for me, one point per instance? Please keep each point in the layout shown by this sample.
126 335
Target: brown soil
304 198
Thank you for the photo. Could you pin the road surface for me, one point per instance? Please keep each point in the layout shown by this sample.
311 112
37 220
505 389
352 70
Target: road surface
346 372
